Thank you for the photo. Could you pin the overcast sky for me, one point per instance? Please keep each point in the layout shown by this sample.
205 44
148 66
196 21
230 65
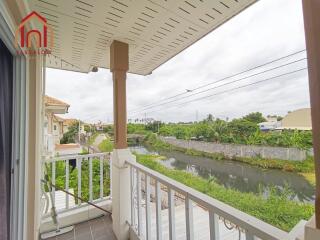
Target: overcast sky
265 31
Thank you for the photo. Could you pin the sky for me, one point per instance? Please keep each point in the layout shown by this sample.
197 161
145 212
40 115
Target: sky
267 30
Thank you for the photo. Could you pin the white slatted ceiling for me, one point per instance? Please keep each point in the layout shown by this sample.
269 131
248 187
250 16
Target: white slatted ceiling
156 30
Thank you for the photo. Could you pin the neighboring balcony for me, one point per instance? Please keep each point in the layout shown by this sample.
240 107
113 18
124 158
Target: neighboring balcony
161 208
86 177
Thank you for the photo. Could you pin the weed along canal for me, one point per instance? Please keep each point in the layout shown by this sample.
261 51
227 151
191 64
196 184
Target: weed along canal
236 175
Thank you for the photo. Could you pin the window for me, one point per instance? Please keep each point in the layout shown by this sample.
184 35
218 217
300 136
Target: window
54 127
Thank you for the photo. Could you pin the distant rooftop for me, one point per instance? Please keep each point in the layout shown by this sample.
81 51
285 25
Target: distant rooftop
51 101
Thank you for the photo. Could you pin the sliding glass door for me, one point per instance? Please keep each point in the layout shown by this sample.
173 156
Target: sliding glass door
6 114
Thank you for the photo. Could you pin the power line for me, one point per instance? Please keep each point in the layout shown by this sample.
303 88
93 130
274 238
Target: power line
225 84
229 90
233 75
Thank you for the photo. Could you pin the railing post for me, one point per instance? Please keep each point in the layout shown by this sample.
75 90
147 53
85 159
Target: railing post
53 180
214 225
90 179
148 211
189 218
79 178
158 210
249 236
101 177
110 175
67 183
132 193
139 202
171 205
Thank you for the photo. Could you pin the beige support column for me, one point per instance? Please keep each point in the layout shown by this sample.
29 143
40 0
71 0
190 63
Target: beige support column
121 198
311 10
34 146
119 65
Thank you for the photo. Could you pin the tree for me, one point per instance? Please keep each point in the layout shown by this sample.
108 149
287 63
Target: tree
69 137
255 117
279 118
154 126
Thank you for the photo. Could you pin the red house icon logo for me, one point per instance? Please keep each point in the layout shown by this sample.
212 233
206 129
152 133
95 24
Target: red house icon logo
25 36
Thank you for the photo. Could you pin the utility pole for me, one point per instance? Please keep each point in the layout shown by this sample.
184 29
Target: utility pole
79 132
197 115
145 118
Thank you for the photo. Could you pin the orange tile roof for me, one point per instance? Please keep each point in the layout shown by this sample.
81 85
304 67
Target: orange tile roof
69 121
67 146
51 101
60 119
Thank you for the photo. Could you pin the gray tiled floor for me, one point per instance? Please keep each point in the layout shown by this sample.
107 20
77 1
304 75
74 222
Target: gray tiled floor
96 229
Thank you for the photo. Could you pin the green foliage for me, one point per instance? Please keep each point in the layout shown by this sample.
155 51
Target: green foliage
73 178
106 145
87 128
306 166
69 137
255 117
237 131
108 129
137 128
275 209
154 126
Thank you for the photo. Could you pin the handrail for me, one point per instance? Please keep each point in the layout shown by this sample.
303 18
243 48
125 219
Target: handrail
73 195
67 157
79 160
245 221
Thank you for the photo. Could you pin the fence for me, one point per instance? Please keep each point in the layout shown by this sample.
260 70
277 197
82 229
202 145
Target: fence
202 215
236 150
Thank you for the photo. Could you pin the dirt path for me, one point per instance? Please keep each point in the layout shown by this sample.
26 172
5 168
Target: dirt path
95 146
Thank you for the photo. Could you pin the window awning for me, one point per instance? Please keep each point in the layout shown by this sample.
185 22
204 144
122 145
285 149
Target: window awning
156 30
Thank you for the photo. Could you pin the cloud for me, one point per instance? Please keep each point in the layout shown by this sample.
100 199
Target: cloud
265 31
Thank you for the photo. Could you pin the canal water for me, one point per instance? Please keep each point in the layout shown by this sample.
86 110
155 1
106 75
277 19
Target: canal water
236 175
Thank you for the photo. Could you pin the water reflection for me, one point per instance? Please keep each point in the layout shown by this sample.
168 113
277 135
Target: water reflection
242 177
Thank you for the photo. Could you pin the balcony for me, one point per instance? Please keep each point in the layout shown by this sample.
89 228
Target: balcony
123 36
160 207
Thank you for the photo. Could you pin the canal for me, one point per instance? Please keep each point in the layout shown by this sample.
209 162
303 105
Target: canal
236 175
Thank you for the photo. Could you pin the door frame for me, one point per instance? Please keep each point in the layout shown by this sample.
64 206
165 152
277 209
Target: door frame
19 156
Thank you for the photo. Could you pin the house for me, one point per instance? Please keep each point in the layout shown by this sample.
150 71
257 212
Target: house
53 124
68 122
120 35
271 124
268 126
297 120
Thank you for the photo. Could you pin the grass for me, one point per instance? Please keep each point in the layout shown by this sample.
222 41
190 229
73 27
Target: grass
92 138
310 177
106 145
306 166
275 210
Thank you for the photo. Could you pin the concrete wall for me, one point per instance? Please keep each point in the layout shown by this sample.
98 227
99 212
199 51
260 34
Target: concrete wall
234 150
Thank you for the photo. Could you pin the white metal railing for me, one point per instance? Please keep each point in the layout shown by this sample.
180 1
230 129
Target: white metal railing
219 214
91 162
